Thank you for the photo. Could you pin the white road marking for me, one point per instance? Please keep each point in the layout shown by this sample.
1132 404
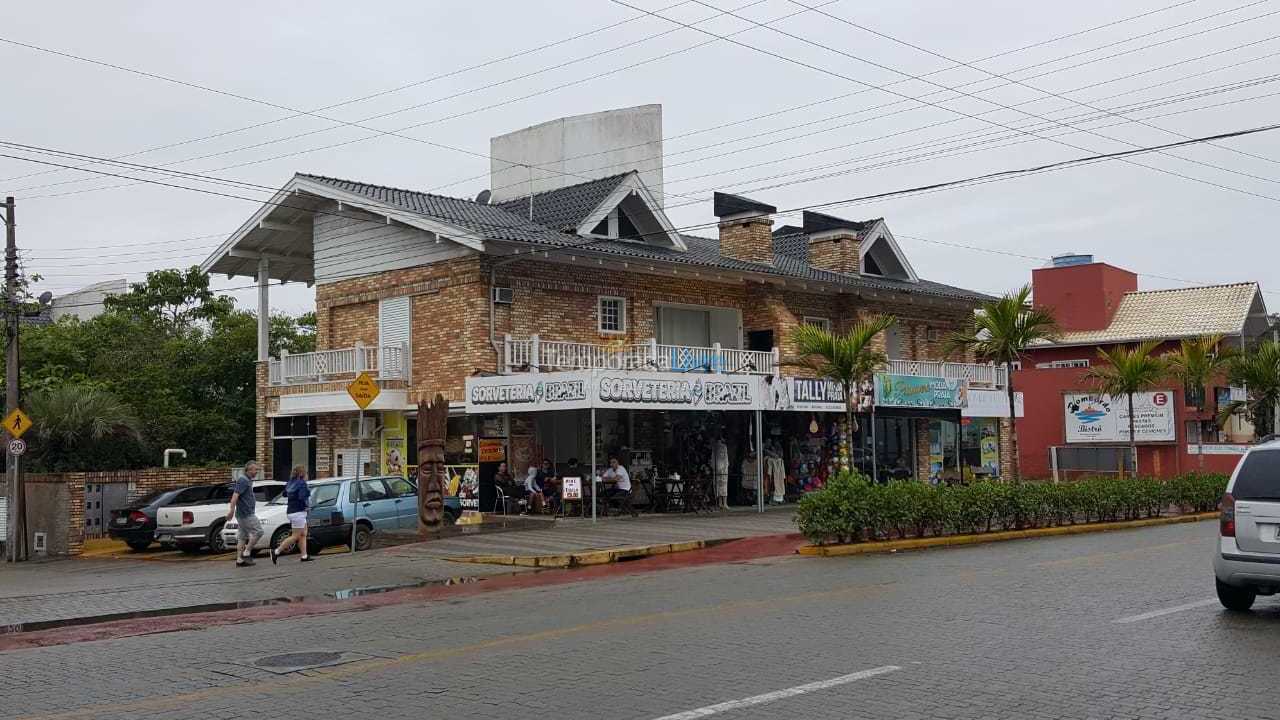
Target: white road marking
1166 611
780 694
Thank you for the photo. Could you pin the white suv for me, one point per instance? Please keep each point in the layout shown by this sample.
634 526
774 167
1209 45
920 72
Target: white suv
1247 563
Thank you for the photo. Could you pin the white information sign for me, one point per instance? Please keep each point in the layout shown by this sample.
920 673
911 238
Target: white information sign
529 392
802 394
992 404
1093 418
571 488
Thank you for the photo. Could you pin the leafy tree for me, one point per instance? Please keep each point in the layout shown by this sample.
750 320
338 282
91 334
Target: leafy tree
79 426
1129 370
1258 371
848 359
1196 363
175 297
1002 332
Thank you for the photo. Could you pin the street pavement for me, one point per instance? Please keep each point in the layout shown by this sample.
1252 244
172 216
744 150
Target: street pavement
1119 624
94 587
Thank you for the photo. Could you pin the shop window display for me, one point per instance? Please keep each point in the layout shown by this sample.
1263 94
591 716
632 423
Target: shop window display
980 448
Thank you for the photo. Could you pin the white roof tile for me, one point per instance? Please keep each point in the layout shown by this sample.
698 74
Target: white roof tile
1180 313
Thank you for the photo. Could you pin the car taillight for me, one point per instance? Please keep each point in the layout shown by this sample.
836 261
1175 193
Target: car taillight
1227 522
137 516
188 518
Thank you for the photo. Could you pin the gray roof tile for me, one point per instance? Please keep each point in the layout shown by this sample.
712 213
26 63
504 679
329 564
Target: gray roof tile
569 205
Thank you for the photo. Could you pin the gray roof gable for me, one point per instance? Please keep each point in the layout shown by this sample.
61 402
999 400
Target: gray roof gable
565 208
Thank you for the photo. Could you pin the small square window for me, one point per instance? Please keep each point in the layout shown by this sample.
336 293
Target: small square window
821 322
612 314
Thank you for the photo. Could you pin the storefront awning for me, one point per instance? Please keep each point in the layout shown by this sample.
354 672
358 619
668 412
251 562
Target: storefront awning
606 389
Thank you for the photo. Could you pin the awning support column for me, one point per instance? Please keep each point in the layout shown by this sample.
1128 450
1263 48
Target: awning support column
264 313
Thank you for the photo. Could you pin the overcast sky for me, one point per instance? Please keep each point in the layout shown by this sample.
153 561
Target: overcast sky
1176 223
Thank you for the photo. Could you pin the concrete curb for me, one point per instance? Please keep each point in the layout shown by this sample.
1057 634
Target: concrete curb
590 557
867 548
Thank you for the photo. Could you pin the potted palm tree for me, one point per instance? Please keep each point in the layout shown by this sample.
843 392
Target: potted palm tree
1001 333
849 359
1196 363
1129 370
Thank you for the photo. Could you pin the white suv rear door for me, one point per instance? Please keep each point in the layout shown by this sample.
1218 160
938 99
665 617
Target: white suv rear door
1256 492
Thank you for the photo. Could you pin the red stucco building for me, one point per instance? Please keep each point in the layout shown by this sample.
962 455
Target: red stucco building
1070 430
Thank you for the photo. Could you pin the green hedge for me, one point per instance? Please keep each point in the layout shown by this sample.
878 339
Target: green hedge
850 508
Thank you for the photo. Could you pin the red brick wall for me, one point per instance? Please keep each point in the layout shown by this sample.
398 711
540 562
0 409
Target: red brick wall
143 482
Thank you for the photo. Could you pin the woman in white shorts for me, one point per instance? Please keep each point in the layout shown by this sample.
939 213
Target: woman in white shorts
298 496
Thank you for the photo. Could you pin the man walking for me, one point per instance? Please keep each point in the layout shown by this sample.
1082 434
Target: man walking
242 506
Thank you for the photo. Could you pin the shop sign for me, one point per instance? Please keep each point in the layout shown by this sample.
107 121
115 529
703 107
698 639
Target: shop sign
1092 417
802 394
676 391
492 451
463 482
991 404
571 488
526 393
918 391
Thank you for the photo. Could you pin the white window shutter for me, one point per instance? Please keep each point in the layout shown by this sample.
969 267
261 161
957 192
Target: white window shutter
394 324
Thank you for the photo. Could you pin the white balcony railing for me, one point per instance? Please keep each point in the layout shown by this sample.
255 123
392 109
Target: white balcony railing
532 354
979 375
388 362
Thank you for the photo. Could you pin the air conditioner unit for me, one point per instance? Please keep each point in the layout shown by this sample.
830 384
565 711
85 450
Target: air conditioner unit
504 296
354 429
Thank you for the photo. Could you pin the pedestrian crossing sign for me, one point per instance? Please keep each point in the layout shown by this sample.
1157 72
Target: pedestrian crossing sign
17 423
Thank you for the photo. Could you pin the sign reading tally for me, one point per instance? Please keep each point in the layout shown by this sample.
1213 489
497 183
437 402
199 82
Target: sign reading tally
803 394
1091 417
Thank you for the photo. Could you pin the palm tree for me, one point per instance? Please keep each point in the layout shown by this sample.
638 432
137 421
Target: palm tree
1196 363
1258 371
1129 370
74 422
849 359
1002 331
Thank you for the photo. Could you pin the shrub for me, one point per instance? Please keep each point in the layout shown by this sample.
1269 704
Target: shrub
850 508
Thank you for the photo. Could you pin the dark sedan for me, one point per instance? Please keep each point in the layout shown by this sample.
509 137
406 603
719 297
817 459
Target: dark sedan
136 523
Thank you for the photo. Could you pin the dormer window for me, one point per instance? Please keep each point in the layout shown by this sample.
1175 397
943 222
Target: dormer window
617 225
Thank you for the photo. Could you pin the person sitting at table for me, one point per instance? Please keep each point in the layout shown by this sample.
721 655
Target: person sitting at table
504 481
549 483
532 490
618 483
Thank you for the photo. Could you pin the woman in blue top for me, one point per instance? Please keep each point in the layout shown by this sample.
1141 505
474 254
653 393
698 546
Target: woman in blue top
298 495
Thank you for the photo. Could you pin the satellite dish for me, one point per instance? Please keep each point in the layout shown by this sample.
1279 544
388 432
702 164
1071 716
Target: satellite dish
483 197
46 297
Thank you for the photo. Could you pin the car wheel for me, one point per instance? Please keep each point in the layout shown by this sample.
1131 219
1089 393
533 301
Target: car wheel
138 545
1235 598
279 537
217 543
364 537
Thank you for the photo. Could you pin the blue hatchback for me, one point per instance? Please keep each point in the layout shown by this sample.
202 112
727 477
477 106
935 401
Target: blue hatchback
378 504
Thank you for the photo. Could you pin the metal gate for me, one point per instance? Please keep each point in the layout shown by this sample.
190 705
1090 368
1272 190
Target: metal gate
100 500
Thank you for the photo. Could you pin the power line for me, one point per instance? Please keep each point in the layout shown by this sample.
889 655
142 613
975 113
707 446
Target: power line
882 88
933 187
360 123
371 96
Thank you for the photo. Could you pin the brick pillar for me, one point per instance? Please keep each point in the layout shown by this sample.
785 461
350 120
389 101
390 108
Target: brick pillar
1006 449
837 251
75 515
922 449
262 431
749 239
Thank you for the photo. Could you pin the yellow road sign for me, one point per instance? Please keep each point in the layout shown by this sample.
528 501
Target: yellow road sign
17 423
364 390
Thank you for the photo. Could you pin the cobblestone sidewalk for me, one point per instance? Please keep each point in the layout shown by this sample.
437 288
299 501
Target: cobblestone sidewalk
72 590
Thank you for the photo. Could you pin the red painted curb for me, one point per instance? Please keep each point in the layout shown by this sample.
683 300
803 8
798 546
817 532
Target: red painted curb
733 551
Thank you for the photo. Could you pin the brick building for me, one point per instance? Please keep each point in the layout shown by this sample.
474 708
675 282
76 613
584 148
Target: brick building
1075 431
589 279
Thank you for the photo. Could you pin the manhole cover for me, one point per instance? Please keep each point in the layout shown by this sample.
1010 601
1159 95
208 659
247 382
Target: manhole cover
298 660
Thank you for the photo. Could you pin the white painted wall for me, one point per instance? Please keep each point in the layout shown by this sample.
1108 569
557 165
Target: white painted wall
87 303
356 243
572 150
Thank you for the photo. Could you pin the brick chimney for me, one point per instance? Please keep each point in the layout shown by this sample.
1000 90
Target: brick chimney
834 243
746 228
1081 293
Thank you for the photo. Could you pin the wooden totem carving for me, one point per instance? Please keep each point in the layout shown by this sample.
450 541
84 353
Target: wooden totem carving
433 419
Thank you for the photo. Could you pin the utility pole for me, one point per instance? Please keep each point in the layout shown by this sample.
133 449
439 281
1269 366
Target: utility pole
17 540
